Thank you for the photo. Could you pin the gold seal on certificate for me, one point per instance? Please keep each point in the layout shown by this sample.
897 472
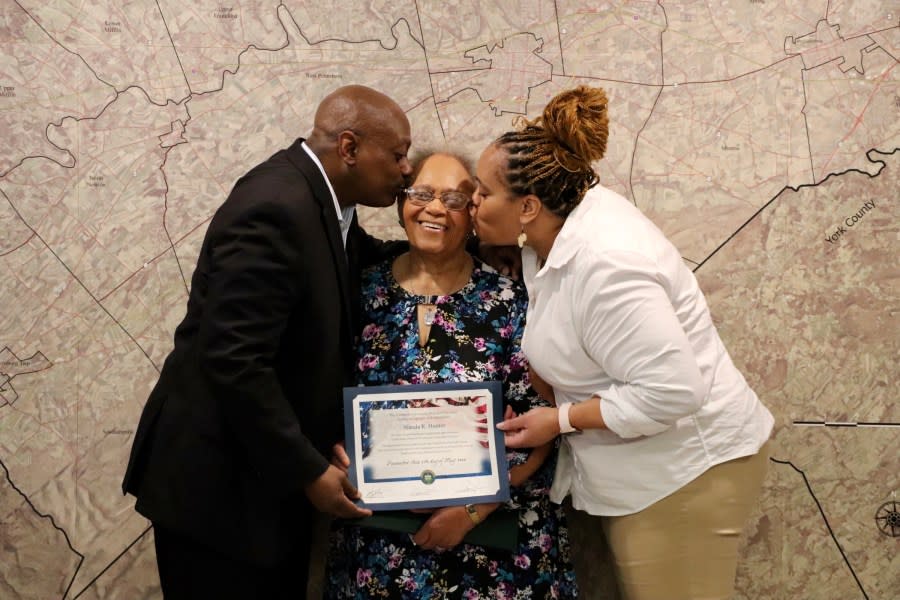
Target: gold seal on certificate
429 445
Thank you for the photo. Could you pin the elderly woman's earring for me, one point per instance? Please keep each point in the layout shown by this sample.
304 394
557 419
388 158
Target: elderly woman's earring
523 237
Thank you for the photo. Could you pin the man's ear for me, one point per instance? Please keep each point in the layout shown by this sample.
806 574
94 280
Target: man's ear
348 146
530 208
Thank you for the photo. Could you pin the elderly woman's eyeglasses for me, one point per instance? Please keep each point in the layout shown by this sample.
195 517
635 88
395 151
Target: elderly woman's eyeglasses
451 199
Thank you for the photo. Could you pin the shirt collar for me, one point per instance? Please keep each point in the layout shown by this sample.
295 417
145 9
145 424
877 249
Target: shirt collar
344 215
569 239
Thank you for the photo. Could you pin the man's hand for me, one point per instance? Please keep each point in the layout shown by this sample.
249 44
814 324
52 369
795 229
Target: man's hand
339 457
333 494
534 428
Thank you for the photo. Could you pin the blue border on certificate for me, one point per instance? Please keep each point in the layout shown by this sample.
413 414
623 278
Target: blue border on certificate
358 442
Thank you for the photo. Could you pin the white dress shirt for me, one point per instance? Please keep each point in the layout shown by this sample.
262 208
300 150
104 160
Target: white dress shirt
344 215
614 312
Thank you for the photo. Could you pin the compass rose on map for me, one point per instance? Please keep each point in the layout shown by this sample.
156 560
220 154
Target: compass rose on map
887 517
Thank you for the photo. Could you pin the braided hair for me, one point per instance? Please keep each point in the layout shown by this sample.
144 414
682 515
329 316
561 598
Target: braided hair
551 156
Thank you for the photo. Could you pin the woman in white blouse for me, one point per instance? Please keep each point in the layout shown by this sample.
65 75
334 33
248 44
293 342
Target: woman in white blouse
662 436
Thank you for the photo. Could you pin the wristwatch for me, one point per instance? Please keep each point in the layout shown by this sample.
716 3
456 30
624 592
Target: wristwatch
473 514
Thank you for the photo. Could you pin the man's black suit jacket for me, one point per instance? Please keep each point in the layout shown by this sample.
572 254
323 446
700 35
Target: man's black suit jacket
248 404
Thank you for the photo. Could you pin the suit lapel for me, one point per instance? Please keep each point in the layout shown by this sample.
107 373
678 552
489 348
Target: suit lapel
353 259
298 157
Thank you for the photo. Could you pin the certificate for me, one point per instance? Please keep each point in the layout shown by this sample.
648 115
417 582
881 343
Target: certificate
421 446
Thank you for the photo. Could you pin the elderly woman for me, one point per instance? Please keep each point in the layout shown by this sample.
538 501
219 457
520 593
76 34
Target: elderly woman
662 436
436 314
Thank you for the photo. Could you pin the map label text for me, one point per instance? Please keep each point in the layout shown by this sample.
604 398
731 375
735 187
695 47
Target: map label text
96 181
851 221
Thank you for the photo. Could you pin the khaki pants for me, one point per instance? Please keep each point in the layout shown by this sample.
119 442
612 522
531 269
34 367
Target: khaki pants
685 546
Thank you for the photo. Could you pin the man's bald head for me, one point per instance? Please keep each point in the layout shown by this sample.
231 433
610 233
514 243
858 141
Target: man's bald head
361 137
354 108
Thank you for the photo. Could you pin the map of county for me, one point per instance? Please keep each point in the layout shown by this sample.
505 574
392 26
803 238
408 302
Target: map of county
12 366
762 136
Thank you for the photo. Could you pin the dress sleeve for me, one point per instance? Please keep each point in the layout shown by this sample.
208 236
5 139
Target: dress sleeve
521 395
517 389
629 327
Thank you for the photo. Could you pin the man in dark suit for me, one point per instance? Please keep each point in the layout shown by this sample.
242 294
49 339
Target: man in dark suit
229 461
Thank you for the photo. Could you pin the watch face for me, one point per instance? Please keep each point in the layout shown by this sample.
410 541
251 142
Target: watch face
473 514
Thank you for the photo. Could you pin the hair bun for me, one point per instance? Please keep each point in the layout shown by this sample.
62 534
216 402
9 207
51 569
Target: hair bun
577 120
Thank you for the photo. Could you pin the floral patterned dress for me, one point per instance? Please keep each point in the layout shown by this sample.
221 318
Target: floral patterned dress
475 336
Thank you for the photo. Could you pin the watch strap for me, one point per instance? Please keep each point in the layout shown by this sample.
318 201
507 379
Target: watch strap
562 413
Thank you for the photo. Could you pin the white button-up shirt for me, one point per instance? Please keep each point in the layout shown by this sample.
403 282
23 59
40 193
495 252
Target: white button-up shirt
615 313
344 215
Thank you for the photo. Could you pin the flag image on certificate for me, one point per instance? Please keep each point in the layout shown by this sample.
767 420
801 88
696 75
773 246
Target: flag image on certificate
418 446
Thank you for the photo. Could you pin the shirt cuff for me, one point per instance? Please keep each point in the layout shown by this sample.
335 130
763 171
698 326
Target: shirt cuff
623 419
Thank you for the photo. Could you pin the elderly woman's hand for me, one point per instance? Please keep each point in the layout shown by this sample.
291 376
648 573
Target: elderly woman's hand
444 529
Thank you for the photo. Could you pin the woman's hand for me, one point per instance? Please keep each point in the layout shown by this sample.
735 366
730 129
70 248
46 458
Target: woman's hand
534 428
519 474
